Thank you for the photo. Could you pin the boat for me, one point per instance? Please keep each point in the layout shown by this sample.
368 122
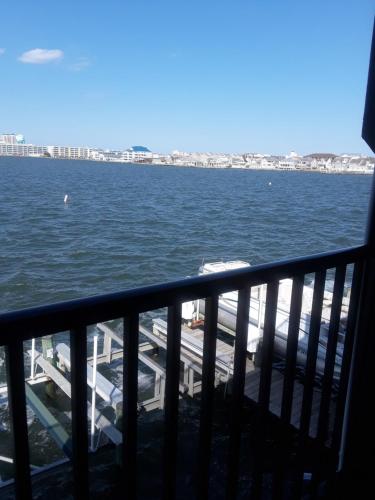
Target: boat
227 313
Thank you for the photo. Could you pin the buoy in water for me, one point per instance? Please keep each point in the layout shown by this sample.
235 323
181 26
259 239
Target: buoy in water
270 183
66 198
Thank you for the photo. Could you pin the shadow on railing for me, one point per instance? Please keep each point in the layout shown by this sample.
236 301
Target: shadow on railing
300 375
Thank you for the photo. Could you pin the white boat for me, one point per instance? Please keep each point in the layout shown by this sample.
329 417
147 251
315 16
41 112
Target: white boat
228 310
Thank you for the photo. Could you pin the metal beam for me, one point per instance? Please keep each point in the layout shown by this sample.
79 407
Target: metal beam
18 418
358 436
368 129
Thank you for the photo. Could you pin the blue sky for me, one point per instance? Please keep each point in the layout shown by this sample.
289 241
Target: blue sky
198 75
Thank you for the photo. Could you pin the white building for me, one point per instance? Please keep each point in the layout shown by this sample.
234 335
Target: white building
70 152
137 154
22 150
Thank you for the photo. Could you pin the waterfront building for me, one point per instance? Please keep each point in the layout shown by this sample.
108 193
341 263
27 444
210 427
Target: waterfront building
160 159
288 164
22 150
69 152
217 161
96 155
137 154
268 163
109 155
237 161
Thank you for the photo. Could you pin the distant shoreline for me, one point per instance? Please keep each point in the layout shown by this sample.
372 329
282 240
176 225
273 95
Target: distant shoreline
211 167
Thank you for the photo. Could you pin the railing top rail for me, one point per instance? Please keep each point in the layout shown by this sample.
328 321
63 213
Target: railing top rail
27 323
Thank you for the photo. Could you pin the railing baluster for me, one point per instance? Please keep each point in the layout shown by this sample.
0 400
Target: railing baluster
78 363
333 332
347 354
292 344
265 383
288 385
312 350
238 385
171 401
207 397
267 345
18 418
129 405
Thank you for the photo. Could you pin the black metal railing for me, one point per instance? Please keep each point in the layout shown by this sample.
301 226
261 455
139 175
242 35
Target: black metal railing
75 316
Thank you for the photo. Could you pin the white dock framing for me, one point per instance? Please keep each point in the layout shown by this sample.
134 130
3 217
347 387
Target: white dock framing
101 422
104 388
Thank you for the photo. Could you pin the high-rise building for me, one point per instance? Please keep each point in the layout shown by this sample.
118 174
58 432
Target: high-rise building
8 139
12 139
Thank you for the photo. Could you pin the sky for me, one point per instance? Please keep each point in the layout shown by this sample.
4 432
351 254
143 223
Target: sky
266 76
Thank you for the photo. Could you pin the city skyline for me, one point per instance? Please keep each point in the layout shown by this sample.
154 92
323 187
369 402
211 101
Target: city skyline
200 77
14 138
15 145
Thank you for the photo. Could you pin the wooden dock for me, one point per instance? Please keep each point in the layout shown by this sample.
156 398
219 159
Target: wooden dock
192 348
191 356
277 382
191 359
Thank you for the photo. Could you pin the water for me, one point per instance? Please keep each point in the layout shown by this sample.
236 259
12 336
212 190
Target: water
130 225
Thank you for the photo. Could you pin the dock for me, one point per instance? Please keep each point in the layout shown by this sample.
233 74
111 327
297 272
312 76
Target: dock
104 388
153 342
192 354
192 348
251 392
101 422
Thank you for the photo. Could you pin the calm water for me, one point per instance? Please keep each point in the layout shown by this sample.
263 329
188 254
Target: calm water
128 225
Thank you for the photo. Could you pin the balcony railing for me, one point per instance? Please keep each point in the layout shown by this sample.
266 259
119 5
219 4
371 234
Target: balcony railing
75 316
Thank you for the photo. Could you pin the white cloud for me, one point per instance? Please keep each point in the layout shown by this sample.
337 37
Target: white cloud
2 51
41 56
82 63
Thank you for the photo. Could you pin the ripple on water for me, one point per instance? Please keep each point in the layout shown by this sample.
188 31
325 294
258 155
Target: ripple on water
131 225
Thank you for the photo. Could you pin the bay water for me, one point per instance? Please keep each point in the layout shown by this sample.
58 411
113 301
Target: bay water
129 225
